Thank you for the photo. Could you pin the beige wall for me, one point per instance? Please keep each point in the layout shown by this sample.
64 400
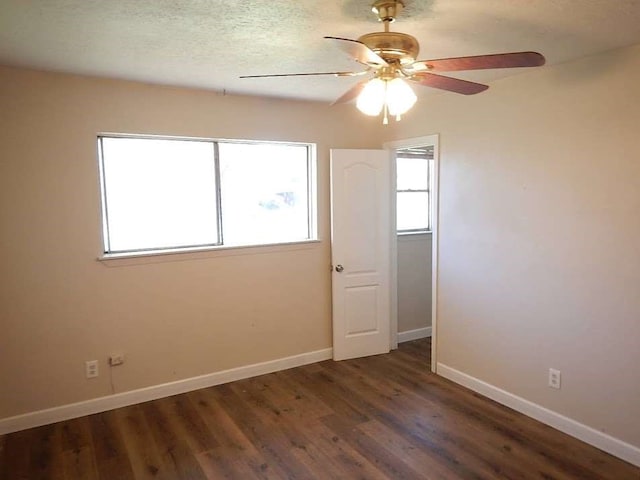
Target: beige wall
414 282
174 317
539 261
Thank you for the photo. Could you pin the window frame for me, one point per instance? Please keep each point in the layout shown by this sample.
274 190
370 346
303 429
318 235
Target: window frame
428 228
312 222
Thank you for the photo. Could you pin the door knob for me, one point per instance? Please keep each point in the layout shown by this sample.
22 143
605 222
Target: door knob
339 268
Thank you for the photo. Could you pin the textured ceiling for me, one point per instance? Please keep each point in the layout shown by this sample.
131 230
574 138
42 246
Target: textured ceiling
209 43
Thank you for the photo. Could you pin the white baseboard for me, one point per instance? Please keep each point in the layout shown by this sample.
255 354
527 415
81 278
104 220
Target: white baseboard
102 404
609 444
414 334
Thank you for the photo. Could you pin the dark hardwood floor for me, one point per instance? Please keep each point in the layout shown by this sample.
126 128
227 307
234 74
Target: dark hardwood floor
372 418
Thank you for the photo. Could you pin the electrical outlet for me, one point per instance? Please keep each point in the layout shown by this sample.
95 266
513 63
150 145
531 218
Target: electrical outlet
116 359
91 368
554 378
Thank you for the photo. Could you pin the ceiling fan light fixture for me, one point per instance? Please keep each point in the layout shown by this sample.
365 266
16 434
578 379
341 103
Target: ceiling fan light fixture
400 97
372 98
391 57
394 96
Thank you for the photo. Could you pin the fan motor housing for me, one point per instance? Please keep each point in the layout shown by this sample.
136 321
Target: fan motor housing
394 47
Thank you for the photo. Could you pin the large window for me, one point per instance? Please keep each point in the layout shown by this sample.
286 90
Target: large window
167 194
413 167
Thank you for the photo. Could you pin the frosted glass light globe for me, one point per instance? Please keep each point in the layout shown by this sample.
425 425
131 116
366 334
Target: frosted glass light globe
371 99
400 97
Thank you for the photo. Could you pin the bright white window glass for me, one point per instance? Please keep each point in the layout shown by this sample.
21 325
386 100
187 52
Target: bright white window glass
413 173
159 194
412 194
413 211
264 193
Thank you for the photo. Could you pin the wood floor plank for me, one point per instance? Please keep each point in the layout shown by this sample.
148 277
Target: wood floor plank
80 464
228 462
288 406
46 461
187 422
324 388
3 459
178 461
275 446
77 449
402 446
145 458
111 454
305 402
285 400
224 430
347 461
17 449
281 414
75 434
370 448
374 418
235 456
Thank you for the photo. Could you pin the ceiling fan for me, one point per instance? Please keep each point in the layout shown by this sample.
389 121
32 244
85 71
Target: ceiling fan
391 57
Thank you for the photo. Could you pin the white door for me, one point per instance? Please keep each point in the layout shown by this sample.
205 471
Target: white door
360 251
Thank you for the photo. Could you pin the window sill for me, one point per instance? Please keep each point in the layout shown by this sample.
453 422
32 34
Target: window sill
157 256
412 234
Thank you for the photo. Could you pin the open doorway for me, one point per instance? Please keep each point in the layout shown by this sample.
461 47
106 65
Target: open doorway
414 241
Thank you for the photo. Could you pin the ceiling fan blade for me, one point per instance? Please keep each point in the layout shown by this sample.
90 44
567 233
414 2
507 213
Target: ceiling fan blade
337 74
359 51
481 62
448 83
352 93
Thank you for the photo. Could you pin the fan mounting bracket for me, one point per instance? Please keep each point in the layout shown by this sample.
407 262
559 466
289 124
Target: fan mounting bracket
387 10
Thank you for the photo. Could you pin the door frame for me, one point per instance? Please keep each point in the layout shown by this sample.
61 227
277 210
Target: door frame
435 195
